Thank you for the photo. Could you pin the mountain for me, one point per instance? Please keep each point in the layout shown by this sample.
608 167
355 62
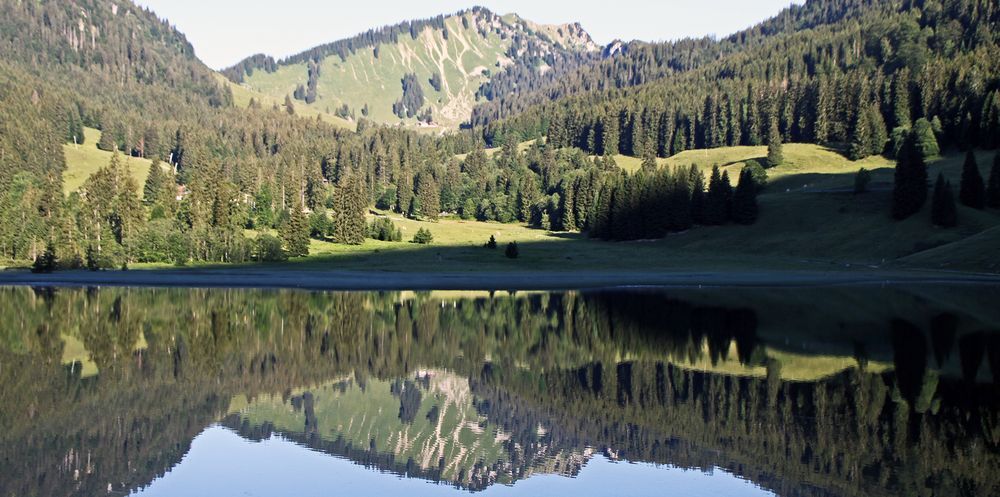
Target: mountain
831 72
432 71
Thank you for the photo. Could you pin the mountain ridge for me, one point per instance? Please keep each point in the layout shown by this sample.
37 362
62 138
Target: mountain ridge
424 72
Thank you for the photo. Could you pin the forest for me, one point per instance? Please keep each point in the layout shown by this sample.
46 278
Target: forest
905 80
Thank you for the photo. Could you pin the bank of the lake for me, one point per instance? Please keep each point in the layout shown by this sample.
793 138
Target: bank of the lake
283 277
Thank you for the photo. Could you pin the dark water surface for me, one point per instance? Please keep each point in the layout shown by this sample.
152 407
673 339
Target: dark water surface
790 392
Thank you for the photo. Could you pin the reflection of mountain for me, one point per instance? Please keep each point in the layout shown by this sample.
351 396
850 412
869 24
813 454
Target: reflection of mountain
425 426
701 380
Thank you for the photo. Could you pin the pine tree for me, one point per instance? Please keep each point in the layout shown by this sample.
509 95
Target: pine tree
47 261
679 203
429 205
156 180
567 219
972 192
107 140
861 137
716 208
879 133
745 199
698 201
910 189
295 233
774 152
926 142
492 243
901 101
993 188
943 212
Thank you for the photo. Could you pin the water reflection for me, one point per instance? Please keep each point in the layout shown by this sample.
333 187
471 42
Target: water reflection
822 392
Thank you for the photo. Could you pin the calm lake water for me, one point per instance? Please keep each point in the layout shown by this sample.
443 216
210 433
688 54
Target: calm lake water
751 392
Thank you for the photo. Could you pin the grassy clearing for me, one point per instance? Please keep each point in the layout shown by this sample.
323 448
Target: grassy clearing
84 160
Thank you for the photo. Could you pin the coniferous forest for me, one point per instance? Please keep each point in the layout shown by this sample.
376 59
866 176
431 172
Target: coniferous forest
905 80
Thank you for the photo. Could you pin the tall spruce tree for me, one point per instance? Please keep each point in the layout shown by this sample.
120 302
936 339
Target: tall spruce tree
429 206
775 155
993 186
943 212
295 232
925 140
745 199
910 189
717 199
697 181
154 187
972 191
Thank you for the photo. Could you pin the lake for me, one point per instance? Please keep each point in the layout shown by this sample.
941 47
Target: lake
839 391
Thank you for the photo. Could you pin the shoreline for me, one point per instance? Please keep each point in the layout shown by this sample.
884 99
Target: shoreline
348 280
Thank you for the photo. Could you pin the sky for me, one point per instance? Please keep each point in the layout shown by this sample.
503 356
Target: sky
225 31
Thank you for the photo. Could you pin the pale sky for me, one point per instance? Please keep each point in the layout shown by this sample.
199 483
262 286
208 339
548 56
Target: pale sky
225 31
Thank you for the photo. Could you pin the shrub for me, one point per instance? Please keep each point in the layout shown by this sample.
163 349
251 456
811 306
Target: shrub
492 244
512 251
423 237
861 180
268 249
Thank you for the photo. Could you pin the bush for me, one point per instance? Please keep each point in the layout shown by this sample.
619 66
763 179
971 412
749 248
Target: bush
861 180
512 251
268 249
423 237
492 244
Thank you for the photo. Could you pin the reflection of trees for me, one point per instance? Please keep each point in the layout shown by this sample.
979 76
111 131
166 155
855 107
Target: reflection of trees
595 369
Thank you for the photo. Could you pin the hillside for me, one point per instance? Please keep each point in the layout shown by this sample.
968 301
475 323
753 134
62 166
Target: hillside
85 159
459 53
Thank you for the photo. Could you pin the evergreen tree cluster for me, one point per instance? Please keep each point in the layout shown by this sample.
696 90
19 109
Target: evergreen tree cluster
648 205
848 79
413 97
382 228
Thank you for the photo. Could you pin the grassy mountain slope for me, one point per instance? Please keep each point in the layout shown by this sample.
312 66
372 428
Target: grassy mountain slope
471 46
85 159
242 96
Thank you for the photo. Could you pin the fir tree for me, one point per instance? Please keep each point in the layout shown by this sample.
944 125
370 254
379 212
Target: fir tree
972 192
492 243
926 142
429 200
47 261
698 201
745 199
156 181
993 188
107 140
775 155
943 212
910 189
423 237
716 201
295 233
